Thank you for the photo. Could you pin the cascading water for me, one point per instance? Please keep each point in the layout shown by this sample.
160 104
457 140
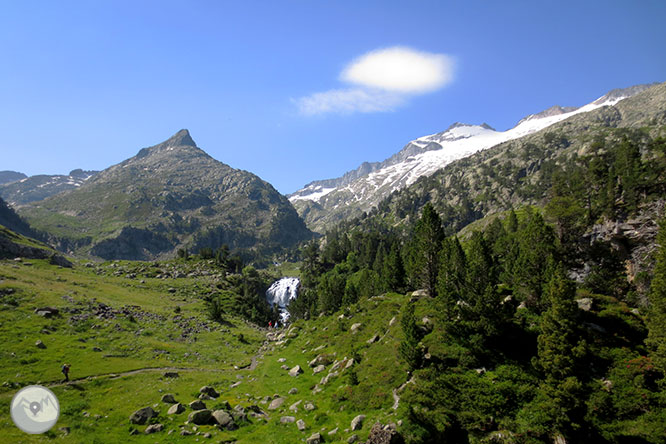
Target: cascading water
281 293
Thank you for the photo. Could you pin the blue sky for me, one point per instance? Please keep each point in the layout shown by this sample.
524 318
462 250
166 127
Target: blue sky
289 90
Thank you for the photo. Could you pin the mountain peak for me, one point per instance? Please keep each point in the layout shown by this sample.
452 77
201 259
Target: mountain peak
181 138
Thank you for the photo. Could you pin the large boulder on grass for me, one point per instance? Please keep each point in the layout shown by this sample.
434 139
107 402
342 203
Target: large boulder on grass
223 418
200 417
142 416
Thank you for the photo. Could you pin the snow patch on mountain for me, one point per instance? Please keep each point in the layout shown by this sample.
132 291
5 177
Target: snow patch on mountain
427 154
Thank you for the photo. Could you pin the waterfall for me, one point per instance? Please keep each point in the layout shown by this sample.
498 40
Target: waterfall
281 293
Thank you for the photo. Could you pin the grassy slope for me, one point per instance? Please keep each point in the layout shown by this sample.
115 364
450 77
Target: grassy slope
97 405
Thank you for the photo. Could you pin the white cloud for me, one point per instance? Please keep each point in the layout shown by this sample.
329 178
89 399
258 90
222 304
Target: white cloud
346 101
382 80
401 70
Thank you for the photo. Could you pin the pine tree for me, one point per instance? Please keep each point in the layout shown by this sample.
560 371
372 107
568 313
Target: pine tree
427 245
453 274
393 273
657 316
409 347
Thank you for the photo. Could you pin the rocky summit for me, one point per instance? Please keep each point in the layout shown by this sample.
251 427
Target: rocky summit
169 196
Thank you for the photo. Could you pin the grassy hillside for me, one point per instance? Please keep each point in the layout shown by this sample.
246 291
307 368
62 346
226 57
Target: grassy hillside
121 331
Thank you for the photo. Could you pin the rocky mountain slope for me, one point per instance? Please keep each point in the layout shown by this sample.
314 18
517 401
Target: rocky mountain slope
10 176
22 190
324 203
169 196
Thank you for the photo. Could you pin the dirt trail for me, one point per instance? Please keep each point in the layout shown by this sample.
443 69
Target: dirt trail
116 375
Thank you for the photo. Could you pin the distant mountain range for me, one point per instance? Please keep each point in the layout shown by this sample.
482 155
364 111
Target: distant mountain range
324 203
169 196
19 189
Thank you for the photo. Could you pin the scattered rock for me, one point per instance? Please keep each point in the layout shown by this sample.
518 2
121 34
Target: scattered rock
384 435
295 371
210 391
154 428
176 409
284 367
294 406
349 363
301 425
142 415
47 312
40 344
352 439
354 328
96 349
584 304
235 384
373 339
169 399
293 391
333 432
197 405
318 369
276 404
282 360
287 419
392 321
223 418
133 431
64 430
309 406
357 422
171 374
200 417
185 432
207 435
314 439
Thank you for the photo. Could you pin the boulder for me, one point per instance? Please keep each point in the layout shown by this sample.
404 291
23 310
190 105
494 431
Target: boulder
314 439
141 416
295 371
276 404
200 417
373 339
309 406
210 391
355 327
40 344
584 304
223 418
357 422
352 439
333 432
176 409
301 425
293 391
169 399
197 405
154 428
171 374
287 420
384 435
47 312
294 406
318 369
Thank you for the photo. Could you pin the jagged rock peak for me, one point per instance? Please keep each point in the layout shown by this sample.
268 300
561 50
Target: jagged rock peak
463 125
181 138
621 93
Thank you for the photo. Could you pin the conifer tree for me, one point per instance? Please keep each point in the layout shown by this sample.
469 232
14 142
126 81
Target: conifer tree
453 274
657 315
393 273
427 245
409 347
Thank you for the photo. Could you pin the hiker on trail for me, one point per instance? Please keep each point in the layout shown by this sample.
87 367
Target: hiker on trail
65 371
270 324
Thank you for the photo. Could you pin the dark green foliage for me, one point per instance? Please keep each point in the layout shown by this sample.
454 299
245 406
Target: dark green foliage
657 315
410 351
426 247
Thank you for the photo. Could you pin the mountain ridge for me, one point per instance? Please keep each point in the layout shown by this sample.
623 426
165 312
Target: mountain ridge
324 203
171 195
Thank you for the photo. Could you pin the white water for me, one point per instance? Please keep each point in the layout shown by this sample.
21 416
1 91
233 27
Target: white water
281 293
